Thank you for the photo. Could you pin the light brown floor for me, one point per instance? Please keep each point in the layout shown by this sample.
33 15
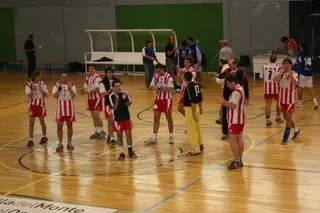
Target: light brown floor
275 178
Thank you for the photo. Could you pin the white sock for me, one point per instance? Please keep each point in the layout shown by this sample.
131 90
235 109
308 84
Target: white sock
296 129
155 136
111 138
60 143
98 130
170 134
30 139
299 101
44 136
315 101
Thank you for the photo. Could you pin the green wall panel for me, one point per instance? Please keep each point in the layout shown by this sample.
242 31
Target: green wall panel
204 22
7 35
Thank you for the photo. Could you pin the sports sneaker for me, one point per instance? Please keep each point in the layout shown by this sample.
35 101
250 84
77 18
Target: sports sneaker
132 155
185 132
192 153
299 105
296 134
113 143
279 120
315 107
201 147
43 141
284 141
224 137
59 148
30 144
171 140
218 122
70 147
152 141
103 133
94 135
121 157
268 123
234 165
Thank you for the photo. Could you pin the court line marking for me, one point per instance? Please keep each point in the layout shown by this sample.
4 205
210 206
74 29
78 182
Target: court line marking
71 167
64 170
214 170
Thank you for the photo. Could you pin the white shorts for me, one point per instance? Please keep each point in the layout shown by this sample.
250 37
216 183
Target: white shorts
305 81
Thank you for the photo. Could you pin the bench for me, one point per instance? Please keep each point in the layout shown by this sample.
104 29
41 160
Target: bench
47 66
120 58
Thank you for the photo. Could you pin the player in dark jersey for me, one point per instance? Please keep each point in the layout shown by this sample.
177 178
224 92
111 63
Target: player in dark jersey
105 90
120 101
181 54
304 68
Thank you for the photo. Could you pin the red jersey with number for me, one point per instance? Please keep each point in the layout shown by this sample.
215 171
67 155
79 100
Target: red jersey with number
268 73
287 93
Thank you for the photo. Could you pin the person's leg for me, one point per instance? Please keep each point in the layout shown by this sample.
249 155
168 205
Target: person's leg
192 133
156 124
224 124
70 132
60 136
130 144
268 111
30 66
287 130
44 138
121 155
293 125
151 72
301 85
146 73
241 145
170 126
98 125
181 108
233 141
31 131
169 63
278 119
314 99
219 120
199 133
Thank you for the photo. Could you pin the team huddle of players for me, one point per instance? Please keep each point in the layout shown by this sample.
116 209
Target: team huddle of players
106 95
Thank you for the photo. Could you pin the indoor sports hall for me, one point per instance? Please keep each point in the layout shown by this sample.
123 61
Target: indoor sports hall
76 38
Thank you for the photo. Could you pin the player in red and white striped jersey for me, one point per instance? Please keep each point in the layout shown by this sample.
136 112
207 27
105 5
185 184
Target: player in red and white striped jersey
162 83
96 102
64 92
288 79
271 88
37 90
187 68
236 120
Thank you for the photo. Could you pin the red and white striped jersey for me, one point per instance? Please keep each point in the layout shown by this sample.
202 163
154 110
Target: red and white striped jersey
165 81
184 83
65 103
237 115
287 93
37 99
268 72
92 83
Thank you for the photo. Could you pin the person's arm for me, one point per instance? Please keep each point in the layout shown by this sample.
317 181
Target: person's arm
199 55
278 75
294 77
155 57
233 100
170 53
72 90
29 91
44 90
96 85
169 87
56 90
153 84
246 86
103 90
126 97
222 75
261 73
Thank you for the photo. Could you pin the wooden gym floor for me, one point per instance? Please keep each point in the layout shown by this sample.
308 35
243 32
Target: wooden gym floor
275 178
